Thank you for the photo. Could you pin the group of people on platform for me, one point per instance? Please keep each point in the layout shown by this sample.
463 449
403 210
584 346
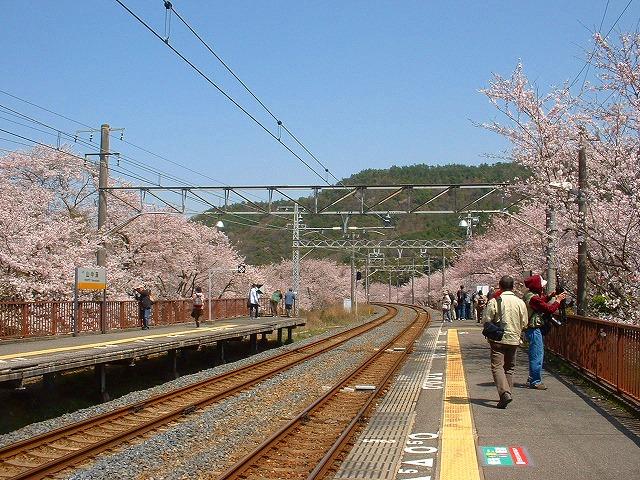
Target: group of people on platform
463 305
145 301
526 317
255 294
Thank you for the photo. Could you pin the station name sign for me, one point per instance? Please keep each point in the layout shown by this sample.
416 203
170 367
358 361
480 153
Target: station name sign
91 278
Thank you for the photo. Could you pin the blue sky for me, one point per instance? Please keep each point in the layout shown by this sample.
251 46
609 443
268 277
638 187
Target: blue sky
364 84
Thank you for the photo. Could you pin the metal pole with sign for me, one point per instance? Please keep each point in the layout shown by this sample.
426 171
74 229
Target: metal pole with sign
86 278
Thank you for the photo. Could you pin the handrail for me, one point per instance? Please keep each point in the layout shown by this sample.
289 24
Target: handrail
608 352
49 318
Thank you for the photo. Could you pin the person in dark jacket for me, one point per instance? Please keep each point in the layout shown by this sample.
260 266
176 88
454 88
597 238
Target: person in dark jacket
539 305
143 297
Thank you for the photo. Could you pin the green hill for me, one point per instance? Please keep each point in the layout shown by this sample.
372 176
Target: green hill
263 244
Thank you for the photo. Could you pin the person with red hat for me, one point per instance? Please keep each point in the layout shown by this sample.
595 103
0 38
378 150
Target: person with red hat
539 306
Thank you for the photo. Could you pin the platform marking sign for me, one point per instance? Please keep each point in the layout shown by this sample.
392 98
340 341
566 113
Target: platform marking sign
500 456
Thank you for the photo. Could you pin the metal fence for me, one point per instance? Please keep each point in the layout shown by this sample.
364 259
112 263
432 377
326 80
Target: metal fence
41 319
607 351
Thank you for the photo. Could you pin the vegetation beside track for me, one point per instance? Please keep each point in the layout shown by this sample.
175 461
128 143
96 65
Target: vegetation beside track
334 316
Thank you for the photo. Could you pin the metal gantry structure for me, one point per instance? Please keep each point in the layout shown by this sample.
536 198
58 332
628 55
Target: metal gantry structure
347 202
366 199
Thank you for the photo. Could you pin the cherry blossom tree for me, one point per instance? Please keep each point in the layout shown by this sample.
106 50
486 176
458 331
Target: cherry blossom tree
546 131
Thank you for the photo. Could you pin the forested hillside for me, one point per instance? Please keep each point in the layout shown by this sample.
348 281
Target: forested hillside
266 244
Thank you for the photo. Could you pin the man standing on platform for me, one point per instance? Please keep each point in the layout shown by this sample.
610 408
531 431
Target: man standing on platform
511 312
254 300
289 298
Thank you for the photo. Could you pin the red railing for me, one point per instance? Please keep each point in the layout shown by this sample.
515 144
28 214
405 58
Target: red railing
607 351
41 319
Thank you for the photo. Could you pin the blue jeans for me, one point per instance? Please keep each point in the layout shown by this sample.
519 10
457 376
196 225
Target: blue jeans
146 316
460 311
536 355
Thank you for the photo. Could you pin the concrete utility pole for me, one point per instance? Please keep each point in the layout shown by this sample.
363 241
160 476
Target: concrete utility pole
413 274
428 275
582 226
551 249
103 181
444 265
353 277
366 278
295 281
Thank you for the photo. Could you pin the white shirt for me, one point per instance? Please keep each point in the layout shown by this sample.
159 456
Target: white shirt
254 296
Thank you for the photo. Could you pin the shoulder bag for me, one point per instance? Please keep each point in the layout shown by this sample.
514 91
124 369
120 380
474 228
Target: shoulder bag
494 331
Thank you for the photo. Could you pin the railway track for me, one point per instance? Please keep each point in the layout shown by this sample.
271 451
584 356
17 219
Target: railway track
72 445
309 445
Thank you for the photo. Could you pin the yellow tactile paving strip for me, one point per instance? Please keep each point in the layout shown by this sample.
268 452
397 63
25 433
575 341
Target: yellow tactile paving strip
458 459
112 342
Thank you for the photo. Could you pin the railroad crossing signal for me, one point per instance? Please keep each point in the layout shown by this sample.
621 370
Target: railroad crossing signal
242 268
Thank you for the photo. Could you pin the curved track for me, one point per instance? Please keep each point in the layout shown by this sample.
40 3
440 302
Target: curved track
309 445
72 445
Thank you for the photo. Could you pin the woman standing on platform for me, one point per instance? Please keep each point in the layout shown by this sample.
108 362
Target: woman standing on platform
198 305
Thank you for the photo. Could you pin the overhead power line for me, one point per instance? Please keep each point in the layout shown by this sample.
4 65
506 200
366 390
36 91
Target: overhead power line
172 162
262 104
223 92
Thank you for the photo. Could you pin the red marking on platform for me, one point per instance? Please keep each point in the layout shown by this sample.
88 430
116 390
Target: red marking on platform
518 456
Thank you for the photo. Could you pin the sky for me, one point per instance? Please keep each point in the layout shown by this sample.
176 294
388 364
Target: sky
362 84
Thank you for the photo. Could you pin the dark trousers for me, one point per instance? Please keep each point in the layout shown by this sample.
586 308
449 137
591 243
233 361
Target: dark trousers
503 364
253 307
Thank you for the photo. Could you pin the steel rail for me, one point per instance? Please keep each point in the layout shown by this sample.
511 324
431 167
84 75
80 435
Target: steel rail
254 459
137 410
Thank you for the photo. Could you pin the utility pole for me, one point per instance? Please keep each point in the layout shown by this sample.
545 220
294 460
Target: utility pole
389 285
551 249
582 226
413 273
444 265
366 278
428 275
103 181
353 274
295 282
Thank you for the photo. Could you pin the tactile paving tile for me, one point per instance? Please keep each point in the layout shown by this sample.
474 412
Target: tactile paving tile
458 451
377 452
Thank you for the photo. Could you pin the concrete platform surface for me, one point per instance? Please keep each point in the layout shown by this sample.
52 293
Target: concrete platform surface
439 421
21 360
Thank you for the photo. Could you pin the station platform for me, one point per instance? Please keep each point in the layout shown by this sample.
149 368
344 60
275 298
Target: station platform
439 421
20 361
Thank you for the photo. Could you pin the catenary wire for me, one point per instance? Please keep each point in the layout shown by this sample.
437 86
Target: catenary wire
223 92
28 102
279 122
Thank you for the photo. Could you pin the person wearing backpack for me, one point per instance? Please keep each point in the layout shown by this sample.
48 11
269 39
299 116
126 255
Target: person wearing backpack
539 306
198 305
507 310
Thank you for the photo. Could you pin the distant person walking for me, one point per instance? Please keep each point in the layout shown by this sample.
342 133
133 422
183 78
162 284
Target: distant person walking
254 300
446 307
143 297
460 298
509 311
198 305
480 304
289 300
454 306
